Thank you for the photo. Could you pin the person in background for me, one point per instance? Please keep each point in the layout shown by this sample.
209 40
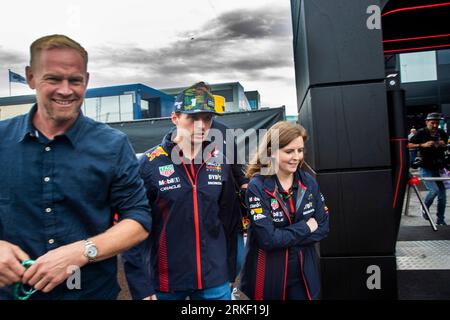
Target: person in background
236 197
288 216
413 152
432 144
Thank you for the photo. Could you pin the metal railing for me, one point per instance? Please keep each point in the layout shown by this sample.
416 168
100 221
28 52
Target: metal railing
413 184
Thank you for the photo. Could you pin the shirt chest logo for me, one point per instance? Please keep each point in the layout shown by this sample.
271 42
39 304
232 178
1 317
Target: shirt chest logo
278 216
213 167
167 170
308 208
165 182
214 179
274 204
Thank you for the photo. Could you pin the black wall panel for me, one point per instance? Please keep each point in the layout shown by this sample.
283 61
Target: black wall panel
347 278
342 103
348 127
332 43
362 221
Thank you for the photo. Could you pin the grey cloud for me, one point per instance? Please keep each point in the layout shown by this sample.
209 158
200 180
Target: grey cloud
232 48
12 59
189 60
263 22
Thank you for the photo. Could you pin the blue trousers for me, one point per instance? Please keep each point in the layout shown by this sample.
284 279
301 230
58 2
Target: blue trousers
240 252
221 292
435 189
296 291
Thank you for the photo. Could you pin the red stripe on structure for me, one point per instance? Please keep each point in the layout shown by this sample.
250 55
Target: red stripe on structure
417 48
417 38
163 261
399 177
434 5
260 275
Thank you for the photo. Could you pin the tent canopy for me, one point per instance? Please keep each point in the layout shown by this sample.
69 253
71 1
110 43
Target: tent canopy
147 133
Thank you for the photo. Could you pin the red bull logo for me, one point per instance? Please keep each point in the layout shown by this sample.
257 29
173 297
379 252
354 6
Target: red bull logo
156 153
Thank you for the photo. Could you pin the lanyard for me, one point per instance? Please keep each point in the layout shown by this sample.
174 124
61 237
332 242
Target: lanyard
22 291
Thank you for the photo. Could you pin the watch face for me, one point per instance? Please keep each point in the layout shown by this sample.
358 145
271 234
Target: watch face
91 252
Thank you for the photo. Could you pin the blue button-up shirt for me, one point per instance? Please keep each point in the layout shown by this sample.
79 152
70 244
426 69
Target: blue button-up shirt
56 192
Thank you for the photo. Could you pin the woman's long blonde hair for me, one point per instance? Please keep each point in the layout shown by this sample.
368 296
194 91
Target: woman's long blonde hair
286 131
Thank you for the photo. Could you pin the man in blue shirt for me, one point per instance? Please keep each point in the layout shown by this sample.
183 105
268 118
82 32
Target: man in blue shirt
62 177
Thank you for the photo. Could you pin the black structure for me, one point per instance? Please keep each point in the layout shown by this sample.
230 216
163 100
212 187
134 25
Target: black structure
415 25
423 97
419 25
342 101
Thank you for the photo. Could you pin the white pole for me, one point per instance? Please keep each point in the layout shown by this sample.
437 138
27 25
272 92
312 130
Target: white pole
9 80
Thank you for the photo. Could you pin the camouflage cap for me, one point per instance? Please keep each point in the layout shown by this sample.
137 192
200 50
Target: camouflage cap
195 99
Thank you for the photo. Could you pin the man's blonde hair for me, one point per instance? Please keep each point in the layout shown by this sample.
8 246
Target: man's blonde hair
56 41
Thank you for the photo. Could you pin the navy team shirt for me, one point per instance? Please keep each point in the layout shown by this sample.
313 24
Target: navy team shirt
56 192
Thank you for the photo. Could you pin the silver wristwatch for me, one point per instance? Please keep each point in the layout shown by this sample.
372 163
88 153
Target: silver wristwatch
90 250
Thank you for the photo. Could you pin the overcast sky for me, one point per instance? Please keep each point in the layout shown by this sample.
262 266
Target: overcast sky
162 44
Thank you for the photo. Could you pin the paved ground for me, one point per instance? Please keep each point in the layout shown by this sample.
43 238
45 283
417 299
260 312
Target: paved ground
423 255
414 217
125 293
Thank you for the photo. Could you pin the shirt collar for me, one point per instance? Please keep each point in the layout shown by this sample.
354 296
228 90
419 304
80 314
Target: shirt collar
168 143
271 183
293 187
74 132
28 129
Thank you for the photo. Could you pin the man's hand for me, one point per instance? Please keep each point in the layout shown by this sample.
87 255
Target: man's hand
52 268
11 270
312 224
427 144
152 297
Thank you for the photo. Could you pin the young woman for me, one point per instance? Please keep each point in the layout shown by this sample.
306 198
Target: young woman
287 217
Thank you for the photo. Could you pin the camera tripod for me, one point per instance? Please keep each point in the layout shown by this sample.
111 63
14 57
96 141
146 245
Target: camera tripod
413 182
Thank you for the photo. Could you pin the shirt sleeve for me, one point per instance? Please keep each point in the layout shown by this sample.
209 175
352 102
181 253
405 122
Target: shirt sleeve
444 136
238 174
418 138
322 217
230 217
138 271
267 235
237 168
127 191
137 264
